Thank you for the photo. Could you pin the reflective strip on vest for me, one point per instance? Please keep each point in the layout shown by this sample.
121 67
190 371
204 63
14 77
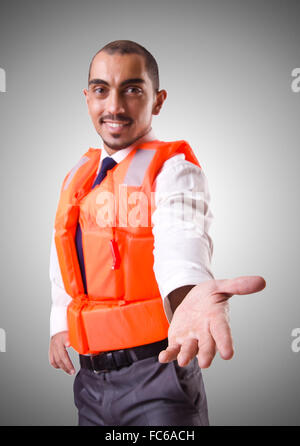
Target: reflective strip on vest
138 166
80 163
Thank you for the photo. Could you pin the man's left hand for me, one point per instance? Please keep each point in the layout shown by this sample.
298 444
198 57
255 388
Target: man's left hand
200 324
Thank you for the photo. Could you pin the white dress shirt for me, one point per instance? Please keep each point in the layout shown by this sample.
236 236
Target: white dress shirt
181 222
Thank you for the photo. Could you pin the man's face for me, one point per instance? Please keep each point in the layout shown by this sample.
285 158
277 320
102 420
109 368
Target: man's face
121 99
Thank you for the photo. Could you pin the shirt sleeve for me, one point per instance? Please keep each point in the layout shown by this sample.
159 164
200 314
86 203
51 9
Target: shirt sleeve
181 221
60 298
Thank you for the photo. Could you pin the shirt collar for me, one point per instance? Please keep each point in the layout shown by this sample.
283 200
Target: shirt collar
121 154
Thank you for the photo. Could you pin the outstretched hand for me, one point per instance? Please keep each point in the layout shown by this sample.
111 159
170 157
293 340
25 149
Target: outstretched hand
200 324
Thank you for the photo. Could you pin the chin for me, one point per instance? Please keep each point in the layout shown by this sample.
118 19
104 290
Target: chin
116 143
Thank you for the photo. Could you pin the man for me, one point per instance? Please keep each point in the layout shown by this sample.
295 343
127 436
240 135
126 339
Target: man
112 301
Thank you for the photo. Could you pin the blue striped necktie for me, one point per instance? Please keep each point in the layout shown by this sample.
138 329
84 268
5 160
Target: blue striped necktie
107 164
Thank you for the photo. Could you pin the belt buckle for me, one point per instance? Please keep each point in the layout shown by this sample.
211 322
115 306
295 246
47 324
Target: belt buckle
121 358
94 364
114 360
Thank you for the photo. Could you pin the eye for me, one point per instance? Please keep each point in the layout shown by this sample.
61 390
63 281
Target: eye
134 90
99 90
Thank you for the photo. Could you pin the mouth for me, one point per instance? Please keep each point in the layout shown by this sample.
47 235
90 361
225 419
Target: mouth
116 126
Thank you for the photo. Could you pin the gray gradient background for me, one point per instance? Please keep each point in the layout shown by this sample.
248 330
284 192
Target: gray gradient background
226 66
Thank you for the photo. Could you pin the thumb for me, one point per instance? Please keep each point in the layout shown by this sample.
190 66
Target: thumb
67 343
240 285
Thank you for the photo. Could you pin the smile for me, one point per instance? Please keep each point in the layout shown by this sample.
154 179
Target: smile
116 125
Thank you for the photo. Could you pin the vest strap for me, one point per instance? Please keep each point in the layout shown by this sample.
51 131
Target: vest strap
140 323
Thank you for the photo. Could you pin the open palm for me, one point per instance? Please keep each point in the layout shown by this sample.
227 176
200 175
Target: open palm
200 324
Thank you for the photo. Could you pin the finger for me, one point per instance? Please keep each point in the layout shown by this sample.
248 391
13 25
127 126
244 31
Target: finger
52 360
206 351
63 365
64 360
170 353
220 331
56 360
188 351
240 285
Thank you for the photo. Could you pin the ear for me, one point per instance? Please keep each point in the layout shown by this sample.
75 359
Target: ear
85 92
160 99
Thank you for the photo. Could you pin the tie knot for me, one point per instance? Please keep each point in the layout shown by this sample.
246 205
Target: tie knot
107 164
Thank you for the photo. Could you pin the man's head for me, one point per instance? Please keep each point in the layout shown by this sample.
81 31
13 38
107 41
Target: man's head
123 93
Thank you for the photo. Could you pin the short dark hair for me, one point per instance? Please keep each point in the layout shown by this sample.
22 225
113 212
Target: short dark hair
130 47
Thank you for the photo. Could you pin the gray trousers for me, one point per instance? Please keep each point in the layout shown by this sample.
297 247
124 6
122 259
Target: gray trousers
146 393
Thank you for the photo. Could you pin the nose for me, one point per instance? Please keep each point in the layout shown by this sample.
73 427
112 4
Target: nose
114 103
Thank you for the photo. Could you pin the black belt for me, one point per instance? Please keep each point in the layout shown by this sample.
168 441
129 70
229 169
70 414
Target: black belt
116 359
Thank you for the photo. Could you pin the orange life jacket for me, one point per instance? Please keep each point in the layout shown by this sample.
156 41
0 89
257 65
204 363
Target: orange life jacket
123 307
